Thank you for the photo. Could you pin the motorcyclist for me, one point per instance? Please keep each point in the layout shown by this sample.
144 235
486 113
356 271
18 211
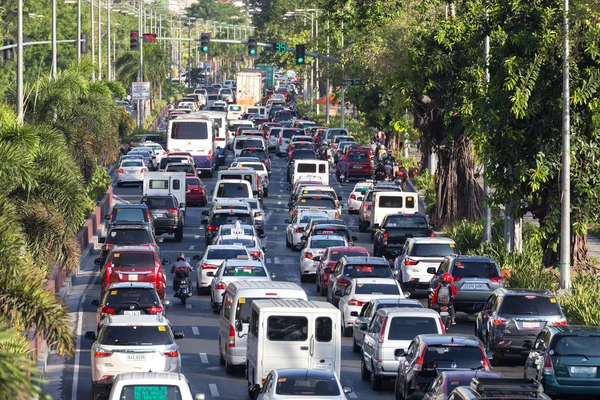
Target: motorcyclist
343 168
182 270
380 172
443 295
381 153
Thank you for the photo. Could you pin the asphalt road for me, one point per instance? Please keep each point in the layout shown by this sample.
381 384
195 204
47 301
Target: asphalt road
200 360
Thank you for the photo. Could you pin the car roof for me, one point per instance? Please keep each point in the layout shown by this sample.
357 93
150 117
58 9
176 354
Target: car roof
409 312
304 373
428 240
366 260
127 226
400 302
336 226
435 339
352 249
128 320
244 262
524 292
158 196
157 378
472 258
130 205
376 281
249 237
327 237
136 249
224 247
131 285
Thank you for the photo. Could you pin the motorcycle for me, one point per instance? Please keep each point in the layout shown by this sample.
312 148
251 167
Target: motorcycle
184 291
444 312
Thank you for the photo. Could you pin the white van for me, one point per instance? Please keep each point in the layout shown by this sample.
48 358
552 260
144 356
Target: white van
312 168
165 183
292 334
385 203
196 135
256 110
245 174
220 120
232 189
234 111
237 306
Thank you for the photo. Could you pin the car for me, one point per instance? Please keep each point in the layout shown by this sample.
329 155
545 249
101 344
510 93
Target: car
475 278
391 329
566 360
132 343
127 234
251 243
418 255
360 165
212 258
483 388
196 192
261 153
304 383
395 228
128 213
129 298
330 259
316 190
310 257
512 319
244 229
242 142
429 355
299 154
351 267
168 215
285 134
330 229
133 264
259 215
297 224
222 217
236 270
131 171
152 385
189 169
321 202
356 196
260 169
447 381
148 154
361 290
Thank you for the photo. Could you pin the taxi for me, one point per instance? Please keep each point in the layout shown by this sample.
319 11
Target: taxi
237 238
311 254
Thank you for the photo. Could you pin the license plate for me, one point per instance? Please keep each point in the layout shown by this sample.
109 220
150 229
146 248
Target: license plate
444 313
476 286
158 215
531 325
357 167
583 370
135 312
130 172
136 357
133 277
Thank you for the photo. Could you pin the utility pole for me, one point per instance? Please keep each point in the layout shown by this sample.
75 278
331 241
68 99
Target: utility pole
327 73
565 203
108 49
78 30
140 109
20 110
93 40
487 211
343 105
317 47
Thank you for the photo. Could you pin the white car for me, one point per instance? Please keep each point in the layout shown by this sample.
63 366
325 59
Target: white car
362 290
131 171
236 270
132 343
242 142
212 258
419 254
297 225
190 105
303 383
243 229
310 257
219 103
126 386
252 243
259 215
356 196
260 169
158 150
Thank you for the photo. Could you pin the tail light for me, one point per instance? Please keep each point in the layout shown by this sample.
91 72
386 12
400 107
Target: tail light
486 362
101 353
158 276
410 261
561 322
500 321
456 278
355 302
299 230
418 366
343 281
108 269
548 367
280 141
352 197
432 234
221 286
212 228
148 215
255 254
107 246
173 353
442 325
382 333
337 214
172 210
155 310
231 336
209 266
385 238
308 255
143 170
108 310
498 279
120 170
210 155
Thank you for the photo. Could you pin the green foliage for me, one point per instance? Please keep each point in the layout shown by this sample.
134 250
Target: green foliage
425 182
97 188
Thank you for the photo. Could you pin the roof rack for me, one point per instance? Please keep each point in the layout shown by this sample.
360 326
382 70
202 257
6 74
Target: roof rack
506 387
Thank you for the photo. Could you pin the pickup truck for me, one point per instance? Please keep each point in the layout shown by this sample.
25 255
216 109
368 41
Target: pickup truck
395 229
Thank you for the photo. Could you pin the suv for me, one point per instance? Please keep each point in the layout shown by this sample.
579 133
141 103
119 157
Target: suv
504 389
391 329
349 268
137 213
475 278
359 164
364 212
132 343
168 215
428 355
133 264
126 234
512 319
330 229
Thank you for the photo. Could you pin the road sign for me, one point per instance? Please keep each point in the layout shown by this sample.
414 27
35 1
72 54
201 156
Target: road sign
206 65
140 91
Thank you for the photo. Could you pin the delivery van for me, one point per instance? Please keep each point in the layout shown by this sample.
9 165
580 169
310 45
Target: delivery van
312 168
165 183
392 202
237 306
292 334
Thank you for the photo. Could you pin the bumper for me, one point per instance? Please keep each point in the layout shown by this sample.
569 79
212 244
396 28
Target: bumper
98 372
348 317
297 238
552 387
204 163
390 252
130 178
513 343
308 267
194 198
386 368
236 355
205 281
354 205
416 279
165 226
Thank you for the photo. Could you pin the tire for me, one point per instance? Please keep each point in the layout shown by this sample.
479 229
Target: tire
179 233
287 242
346 331
295 248
303 278
375 381
365 374
183 299
198 288
221 359
355 347
397 392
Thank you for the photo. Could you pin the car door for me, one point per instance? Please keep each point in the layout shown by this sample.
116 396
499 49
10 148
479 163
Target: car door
343 303
322 348
215 283
405 364
363 318
481 322
333 278
370 339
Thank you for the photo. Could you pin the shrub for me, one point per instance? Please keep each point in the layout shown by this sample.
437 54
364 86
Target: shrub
99 185
426 182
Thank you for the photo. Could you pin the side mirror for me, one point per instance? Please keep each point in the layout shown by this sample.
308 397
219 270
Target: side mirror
160 239
178 335
106 216
399 353
490 355
205 213
238 325
432 226
166 261
347 389
354 238
264 249
431 270
273 275
339 197
101 240
199 396
407 295
204 221
95 303
363 326
90 335
196 257
166 302
98 261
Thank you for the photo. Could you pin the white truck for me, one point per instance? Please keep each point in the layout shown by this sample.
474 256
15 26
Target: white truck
249 88
165 183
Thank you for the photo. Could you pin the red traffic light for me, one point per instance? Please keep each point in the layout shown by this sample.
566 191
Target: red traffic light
134 34
149 37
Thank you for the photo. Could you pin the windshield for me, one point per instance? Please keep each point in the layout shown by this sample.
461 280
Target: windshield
137 335
260 154
307 218
225 254
158 202
432 249
303 386
248 270
130 237
336 255
303 154
374 288
475 269
452 357
407 328
367 271
529 305
189 130
180 168
233 190
256 167
332 231
356 156
235 108
230 218
322 202
324 243
143 392
129 215
139 296
404 221
132 164
132 259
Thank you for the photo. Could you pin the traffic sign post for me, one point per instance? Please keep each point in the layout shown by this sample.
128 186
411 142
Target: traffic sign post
206 65
140 91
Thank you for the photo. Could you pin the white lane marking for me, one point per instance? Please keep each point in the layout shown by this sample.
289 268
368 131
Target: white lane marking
197 237
195 331
214 392
278 202
268 261
278 196
276 260
204 358
188 305
274 228
352 395
192 247
280 190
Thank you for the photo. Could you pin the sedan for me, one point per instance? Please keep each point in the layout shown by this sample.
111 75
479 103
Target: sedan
212 258
304 383
310 257
297 226
251 243
131 171
196 192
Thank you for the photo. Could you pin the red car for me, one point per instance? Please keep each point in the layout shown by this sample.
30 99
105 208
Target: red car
359 164
196 192
134 264
328 261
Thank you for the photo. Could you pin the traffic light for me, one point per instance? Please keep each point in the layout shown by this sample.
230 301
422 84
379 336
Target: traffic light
149 37
7 54
205 42
252 47
83 43
133 40
300 53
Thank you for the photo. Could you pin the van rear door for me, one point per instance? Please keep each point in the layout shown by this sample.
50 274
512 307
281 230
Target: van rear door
323 348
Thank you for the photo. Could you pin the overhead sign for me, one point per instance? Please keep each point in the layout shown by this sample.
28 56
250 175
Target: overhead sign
140 91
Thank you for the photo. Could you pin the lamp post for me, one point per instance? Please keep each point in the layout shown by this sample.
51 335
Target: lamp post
108 49
92 37
99 40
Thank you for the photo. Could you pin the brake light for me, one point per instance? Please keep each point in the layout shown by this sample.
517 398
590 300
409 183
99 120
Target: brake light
158 276
548 367
209 266
486 362
143 170
101 353
107 246
419 364
500 321
255 254
343 281
148 215
385 238
498 279
108 310
410 261
456 278
173 353
355 302
212 228
120 170
155 310
299 230
561 322
352 197
381 334
432 234
337 214
172 210
221 286
210 155
231 336
308 255
280 141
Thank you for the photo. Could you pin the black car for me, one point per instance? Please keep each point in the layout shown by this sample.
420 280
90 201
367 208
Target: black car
127 235
395 229
129 213
222 217
167 214
428 355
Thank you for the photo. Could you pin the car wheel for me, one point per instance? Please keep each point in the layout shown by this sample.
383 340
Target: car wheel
365 374
355 347
303 278
376 381
397 393
287 242
346 331
198 288
179 233
295 248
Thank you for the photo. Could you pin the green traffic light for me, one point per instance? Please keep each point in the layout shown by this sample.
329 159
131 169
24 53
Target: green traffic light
300 60
205 49
252 52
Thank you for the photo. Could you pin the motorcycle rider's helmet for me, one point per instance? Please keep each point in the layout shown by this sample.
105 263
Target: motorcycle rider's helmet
381 147
447 277
180 257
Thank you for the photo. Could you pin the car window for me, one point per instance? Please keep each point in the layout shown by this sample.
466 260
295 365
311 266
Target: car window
336 255
260 154
158 202
317 202
367 271
223 254
529 305
230 218
475 269
132 259
571 346
246 270
432 250
304 386
403 221
323 329
303 154
180 168
193 182
403 305
407 328
447 357
135 335
373 288
356 156
324 243
128 237
132 164
233 190
238 241
189 130
150 391
129 214
141 296
306 218
287 328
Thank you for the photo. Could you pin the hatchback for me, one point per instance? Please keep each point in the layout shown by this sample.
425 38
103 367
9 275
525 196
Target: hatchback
310 257
328 261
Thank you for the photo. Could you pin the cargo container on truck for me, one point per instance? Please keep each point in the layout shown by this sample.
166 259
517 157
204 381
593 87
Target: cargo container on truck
249 88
